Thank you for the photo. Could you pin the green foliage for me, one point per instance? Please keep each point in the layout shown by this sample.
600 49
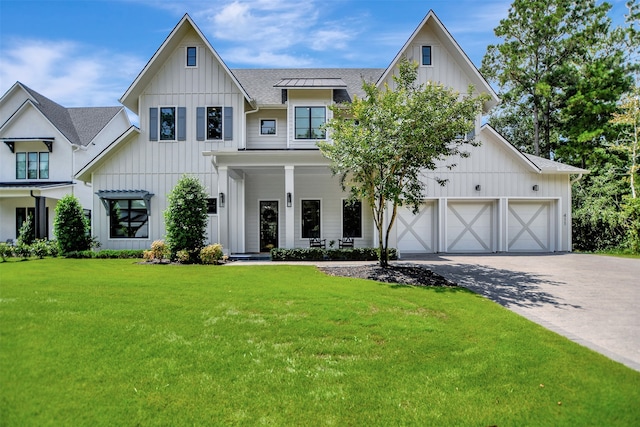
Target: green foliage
319 254
631 221
70 226
23 251
186 218
107 254
112 342
542 43
27 232
211 254
6 251
381 144
40 248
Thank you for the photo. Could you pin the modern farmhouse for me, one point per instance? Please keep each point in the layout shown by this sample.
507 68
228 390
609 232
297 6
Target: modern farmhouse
250 135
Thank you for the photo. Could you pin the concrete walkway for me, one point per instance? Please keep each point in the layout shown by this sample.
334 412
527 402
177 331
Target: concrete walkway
591 299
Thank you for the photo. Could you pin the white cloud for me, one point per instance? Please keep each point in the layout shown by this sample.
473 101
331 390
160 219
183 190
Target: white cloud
68 72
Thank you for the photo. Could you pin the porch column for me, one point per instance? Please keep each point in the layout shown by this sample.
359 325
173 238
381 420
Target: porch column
289 211
223 210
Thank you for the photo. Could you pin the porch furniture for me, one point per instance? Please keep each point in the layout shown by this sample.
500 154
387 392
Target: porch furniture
316 242
347 242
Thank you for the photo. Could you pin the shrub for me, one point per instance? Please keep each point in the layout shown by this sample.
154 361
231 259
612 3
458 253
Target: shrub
6 251
27 232
186 218
40 248
107 253
23 251
183 256
52 248
159 250
318 254
70 226
211 254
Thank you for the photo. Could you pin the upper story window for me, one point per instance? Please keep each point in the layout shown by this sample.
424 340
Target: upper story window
426 55
167 123
32 165
267 127
192 56
214 122
309 121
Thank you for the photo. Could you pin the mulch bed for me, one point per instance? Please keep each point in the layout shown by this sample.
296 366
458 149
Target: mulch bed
402 274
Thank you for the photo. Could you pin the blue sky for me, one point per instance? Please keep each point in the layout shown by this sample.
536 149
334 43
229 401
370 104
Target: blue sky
87 53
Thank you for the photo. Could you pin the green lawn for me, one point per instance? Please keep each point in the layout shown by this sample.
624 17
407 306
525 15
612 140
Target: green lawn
112 342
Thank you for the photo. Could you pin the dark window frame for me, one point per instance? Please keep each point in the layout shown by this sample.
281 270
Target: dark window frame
124 223
215 131
351 218
311 218
212 206
308 121
192 56
168 133
262 127
427 56
32 165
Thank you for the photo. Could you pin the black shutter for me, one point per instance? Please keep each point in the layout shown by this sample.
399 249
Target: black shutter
153 124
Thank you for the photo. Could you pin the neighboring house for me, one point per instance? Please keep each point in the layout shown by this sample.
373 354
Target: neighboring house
249 135
44 145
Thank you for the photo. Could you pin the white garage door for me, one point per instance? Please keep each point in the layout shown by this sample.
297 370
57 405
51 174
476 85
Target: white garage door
471 226
416 232
529 227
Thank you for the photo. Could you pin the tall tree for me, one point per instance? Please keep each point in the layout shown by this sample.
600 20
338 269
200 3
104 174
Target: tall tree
628 142
382 145
539 39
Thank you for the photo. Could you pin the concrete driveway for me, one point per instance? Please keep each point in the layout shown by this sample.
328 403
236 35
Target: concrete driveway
593 300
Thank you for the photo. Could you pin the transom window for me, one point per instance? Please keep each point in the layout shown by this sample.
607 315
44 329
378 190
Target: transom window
351 218
426 55
214 122
128 218
310 219
192 56
309 121
267 127
32 165
167 123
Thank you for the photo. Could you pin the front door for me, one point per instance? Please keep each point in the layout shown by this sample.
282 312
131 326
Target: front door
268 225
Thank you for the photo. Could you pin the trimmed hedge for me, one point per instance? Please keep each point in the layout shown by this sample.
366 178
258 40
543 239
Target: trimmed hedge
107 253
318 254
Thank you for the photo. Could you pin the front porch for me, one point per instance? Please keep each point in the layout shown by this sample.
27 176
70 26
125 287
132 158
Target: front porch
282 199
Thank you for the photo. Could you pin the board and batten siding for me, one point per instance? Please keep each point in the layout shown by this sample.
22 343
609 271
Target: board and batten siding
308 186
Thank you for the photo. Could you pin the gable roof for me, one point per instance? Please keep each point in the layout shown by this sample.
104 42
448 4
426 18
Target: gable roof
534 163
265 85
79 125
131 96
454 50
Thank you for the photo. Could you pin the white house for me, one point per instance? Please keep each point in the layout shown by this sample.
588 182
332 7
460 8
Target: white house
44 145
249 135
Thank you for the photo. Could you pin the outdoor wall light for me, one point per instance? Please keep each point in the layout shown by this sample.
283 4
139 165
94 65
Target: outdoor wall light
535 187
478 187
288 200
221 200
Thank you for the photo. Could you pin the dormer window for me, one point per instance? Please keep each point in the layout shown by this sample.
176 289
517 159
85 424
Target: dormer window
426 55
192 55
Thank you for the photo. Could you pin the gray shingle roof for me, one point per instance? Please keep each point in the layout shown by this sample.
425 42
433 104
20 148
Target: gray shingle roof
259 83
78 125
546 165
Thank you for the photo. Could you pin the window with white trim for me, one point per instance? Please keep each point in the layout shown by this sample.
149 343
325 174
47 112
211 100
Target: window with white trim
426 55
167 123
192 56
214 123
309 121
267 126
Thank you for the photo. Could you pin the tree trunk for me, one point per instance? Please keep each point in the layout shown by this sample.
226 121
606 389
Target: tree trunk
536 130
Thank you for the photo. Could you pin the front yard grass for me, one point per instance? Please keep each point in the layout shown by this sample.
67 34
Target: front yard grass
112 342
